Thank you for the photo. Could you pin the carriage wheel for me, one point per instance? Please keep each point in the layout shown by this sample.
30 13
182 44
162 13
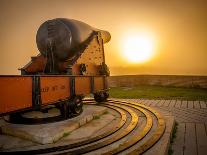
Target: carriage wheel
76 105
101 96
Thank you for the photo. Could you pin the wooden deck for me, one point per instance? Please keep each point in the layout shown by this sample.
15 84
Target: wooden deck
191 136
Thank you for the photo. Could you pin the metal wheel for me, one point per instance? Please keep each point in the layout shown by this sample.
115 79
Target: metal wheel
101 96
106 94
64 109
76 105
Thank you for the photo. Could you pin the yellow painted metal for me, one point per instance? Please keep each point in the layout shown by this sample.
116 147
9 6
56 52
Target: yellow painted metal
131 126
139 136
156 135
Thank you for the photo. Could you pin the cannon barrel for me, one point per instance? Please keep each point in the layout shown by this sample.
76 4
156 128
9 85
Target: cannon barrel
64 36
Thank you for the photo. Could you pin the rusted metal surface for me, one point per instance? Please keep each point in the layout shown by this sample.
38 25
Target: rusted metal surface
98 83
36 65
82 85
15 93
92 57
54 89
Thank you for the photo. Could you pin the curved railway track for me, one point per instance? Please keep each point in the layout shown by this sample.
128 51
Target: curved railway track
138 129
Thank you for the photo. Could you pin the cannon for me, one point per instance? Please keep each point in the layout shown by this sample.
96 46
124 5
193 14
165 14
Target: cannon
70 65
60 42
66 37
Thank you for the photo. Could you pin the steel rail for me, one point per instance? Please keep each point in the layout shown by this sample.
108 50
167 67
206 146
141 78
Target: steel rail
135 139
152 140
84 142
112 139
112 136
157 134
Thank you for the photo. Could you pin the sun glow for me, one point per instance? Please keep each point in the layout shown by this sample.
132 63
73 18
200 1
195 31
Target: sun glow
138 48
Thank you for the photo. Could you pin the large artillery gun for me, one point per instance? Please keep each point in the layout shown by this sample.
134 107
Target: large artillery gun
62 42
70 65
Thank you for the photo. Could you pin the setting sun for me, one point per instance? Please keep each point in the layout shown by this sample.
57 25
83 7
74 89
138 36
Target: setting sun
138 48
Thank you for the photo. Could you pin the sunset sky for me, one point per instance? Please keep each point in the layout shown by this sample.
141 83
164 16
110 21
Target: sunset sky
175 31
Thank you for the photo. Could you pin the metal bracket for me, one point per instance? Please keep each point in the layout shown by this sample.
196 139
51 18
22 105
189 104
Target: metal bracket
36 94
92 84
72 86
105 83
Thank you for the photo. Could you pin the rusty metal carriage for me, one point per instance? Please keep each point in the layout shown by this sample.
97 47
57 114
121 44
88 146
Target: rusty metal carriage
70 65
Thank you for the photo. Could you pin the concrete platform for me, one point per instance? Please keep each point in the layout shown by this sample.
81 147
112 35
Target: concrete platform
162 146
99 122
52 132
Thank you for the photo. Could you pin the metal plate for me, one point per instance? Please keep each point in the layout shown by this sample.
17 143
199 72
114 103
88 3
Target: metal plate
82 85
15 93
54 89
98 83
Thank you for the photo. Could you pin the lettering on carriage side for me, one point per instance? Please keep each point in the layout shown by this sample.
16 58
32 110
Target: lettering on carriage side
45 89
53 88
62 87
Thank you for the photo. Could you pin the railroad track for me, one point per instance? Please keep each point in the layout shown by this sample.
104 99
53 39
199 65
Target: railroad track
138 129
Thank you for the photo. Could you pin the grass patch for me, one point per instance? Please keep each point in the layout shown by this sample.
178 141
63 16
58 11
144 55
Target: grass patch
172 138
159 92
106 112
96 117
66 134
170 151
174 133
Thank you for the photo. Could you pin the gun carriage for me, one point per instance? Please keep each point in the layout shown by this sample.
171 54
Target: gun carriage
70 65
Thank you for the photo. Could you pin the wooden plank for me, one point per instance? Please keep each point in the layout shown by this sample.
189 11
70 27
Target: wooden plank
178 104
147 102
184 104
196 105
142 101
190 104
137 100
178 145
154 102
172 103
201 139
166 103
132 100
203 104
190 140
160 103
150 102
